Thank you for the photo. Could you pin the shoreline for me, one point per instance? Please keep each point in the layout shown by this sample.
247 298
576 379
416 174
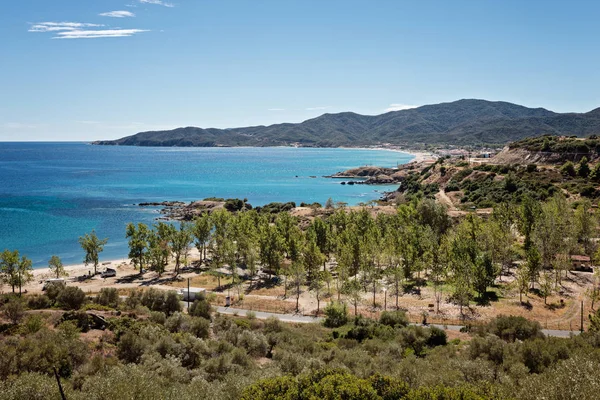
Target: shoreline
419 155
75 270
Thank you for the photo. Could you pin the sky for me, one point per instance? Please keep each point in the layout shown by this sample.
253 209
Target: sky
81 70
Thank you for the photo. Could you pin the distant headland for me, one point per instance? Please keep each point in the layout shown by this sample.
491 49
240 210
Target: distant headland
462 123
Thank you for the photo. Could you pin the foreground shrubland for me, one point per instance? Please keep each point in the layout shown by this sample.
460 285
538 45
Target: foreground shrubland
169 354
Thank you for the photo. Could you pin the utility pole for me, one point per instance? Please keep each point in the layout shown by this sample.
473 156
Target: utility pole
188 295
581 316
62 393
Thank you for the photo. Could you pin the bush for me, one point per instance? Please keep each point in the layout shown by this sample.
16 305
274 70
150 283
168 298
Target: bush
130 348
437 337
273 325
32 324
200 327
511 328
395 319
158 317
154 299
336 315
39 302
172 303
71 298
255 343
14 310
178 322
54 289
201 308
108 297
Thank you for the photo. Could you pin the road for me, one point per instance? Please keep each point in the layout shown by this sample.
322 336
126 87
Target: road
303 319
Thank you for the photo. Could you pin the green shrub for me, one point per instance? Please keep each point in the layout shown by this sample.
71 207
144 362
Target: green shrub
14 310
200 327
336 315
178 322
71 298
172 303
32 324
158 317
395 319
201 308
130 348
511 328
39 302
108 297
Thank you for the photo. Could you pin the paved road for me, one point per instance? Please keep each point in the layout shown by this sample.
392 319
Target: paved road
303 319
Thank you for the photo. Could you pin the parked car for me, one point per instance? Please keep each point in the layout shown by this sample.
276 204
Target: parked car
108 272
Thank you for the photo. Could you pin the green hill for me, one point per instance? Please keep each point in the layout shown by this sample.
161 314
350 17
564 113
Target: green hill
463 122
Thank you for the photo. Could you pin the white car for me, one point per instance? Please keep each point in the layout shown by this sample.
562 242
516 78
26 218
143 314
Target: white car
108 272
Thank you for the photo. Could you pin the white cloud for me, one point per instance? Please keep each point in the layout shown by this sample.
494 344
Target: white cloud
276 109
101 33
60 26
117 14
80 30
317 108
399 107
157 2
88 122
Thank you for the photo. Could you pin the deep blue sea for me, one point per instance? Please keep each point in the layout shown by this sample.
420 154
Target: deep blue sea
52 193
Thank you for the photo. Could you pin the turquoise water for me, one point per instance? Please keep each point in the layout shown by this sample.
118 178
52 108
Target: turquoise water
52 193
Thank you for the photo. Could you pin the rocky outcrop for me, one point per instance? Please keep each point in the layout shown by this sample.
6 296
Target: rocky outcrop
370 175
364 172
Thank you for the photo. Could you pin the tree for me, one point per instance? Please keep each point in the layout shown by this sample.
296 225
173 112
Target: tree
586 226
534 265
202 228
56 267
92 246
9 266
568 169
138 244
316 287
181 241
312 258
584 168
329 204
484 274
24 272
353 290
546 285
322 236
529 212
159 249
270 248
522 280
298 275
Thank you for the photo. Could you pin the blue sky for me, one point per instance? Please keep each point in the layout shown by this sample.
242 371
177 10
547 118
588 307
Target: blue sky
102 69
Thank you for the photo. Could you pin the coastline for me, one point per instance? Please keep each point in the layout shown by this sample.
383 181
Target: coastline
75 270
419 155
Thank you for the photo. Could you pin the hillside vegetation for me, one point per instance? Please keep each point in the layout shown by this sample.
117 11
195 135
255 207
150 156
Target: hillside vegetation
463 122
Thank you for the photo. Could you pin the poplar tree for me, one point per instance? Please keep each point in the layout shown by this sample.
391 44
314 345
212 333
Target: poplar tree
56 267
92 246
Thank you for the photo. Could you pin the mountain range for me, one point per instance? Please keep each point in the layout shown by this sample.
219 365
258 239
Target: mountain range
462 122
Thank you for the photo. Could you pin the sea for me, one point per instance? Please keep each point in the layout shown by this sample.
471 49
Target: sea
53 193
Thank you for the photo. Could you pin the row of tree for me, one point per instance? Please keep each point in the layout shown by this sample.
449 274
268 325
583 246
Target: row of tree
373 252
